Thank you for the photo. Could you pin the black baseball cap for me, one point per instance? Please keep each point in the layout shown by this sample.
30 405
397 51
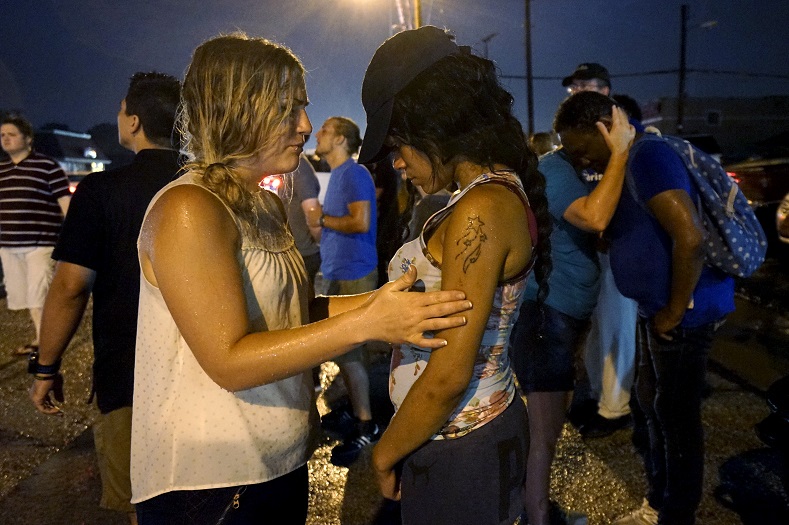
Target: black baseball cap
394 65
588 71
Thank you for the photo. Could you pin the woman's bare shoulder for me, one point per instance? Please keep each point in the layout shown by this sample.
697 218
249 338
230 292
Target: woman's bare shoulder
188 211
498 203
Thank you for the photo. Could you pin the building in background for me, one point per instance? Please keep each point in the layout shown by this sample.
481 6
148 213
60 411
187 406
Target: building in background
741 127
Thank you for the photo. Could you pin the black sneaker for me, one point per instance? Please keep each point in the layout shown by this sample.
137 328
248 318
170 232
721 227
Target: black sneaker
599 426
582 412
344 454
340 422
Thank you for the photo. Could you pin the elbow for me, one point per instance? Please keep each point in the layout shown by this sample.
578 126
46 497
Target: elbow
229 377
69 289
692 243
597 225
224 380
448 389
361 227
232 383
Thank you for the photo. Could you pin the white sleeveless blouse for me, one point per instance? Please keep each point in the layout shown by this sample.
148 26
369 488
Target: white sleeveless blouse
187 432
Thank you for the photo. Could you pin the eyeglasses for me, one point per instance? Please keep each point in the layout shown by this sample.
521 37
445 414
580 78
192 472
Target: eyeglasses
585 85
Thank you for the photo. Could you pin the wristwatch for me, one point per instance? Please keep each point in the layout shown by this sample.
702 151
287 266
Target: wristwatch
322 219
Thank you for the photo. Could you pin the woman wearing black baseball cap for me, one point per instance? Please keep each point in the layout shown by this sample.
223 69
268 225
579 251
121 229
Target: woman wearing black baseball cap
456 447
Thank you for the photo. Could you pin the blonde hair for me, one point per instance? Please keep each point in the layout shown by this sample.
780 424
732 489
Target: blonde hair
237 94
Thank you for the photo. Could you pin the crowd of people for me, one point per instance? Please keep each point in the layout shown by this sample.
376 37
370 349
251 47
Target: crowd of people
523 267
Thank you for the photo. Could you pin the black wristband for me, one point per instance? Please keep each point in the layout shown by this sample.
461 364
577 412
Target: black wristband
319 308
322 219
34 367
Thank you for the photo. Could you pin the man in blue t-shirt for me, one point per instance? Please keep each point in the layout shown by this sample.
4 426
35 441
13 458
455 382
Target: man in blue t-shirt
349 264
547 337
657 258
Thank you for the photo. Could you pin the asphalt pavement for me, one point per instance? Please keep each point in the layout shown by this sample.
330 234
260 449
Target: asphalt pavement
49 474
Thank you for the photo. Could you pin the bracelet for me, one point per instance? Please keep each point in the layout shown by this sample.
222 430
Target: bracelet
34 367
322 220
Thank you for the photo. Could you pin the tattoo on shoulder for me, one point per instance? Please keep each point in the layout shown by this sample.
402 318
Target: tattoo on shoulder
471 241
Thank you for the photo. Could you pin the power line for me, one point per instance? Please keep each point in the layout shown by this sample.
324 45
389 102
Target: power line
667 72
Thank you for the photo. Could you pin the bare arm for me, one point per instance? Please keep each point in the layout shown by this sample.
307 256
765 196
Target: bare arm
63 310
189 246
594 212
64 202
677 215
357 220
477 247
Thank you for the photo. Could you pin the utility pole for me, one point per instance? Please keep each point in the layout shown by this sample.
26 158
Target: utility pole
682 69
529 78
485 41
417 14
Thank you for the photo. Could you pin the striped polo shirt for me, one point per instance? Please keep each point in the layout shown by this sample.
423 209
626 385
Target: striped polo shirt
29 193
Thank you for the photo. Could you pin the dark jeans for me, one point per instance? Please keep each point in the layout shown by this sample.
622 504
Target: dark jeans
543 348
281 501
669 385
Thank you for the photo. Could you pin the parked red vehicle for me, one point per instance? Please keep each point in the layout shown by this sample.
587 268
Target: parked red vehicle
765 182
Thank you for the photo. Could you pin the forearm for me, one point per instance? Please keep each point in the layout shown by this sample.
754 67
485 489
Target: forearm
594 212
346 224
687 262
423 412
62 314
258 358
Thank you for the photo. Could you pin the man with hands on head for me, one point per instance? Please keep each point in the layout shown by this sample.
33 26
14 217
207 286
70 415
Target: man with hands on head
657 259
548 336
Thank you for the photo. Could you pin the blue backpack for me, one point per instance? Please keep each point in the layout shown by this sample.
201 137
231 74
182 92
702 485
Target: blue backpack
736 243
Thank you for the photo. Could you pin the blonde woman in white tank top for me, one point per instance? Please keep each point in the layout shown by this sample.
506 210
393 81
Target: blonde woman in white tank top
223 407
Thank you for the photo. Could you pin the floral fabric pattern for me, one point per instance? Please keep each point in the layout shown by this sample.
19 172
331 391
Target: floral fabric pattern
492 385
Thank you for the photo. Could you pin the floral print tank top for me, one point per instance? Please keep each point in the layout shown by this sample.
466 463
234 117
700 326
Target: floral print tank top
492 386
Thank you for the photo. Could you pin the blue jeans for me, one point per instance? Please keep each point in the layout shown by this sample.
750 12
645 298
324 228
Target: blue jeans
669 385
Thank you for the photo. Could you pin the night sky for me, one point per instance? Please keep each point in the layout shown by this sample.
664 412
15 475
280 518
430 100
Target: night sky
69 61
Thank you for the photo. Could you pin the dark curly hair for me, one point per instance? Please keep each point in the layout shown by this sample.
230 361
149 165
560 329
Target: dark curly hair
457 109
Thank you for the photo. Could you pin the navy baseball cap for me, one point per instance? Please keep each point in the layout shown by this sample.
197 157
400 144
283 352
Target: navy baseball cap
394 65
588 71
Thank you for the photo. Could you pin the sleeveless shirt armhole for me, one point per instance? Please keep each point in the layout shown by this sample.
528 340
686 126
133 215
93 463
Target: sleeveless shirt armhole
509 185
517 190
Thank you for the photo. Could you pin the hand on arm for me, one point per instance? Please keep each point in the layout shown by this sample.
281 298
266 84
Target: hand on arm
63 310
594 212
475 250
189 248
676 213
